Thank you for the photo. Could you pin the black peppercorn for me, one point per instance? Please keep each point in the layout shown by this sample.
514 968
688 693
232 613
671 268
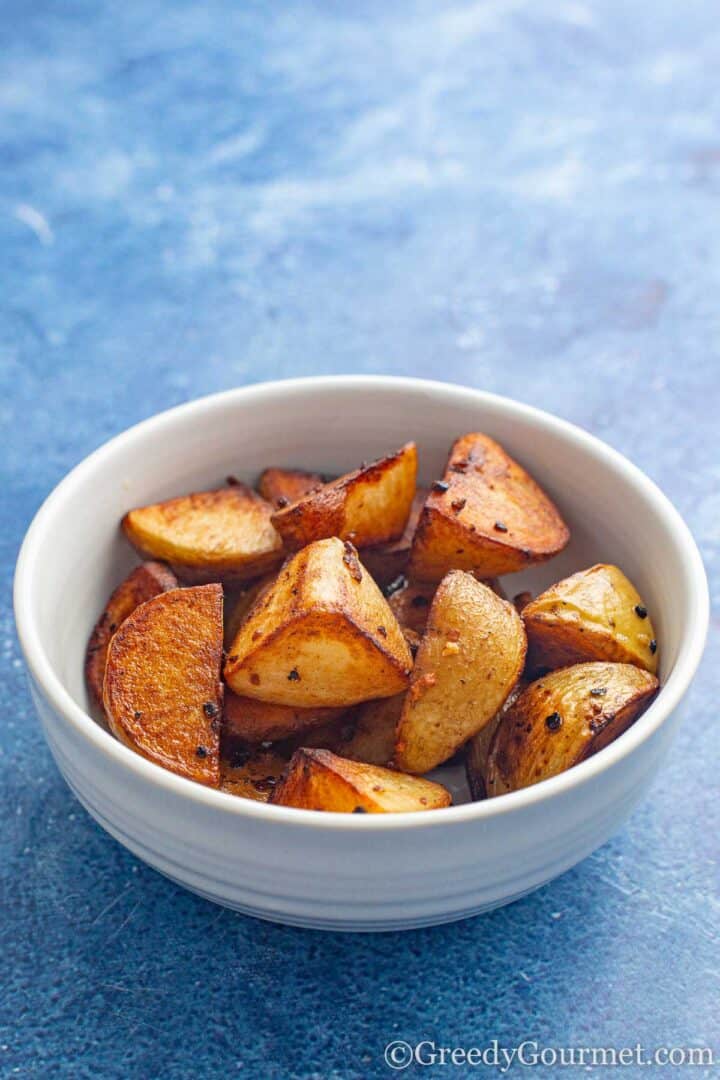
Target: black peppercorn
653 646
201 752
210 709
553 722
294 675
598 691
641 611
500 526
440 485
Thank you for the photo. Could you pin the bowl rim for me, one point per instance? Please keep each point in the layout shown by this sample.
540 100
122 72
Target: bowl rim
60 699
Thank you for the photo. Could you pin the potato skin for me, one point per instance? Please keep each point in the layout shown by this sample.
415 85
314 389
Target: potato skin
254 722
320 780
242 603
596 614
162 692
208 536
280 487
145 581
254 777
564 718
322 636
471 656
410 604
368 506
489 516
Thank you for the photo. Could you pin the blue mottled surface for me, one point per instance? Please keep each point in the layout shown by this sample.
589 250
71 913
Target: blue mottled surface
523 196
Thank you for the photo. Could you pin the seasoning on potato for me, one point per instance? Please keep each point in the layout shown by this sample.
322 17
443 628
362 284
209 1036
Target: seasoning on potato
596 614
323 635
368 506
163 695
562 719
209 536
320 780
470 657
486 515
145 581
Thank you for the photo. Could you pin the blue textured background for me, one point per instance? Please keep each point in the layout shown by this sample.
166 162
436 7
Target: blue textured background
522 195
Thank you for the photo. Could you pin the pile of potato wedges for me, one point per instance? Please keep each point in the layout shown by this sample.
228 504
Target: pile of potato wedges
326 643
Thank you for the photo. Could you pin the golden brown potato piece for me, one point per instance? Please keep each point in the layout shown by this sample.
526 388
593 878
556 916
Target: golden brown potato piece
223 535
252 776
470 658
280 487
478 748
486 515
323 635
253 721
596 614
163 695
365 733
368 506
386 561
141 584
564 718
319 780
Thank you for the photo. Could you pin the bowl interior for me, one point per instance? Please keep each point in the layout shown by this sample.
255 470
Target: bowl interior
78 554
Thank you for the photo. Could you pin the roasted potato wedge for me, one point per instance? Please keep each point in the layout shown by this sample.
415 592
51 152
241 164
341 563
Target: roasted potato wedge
253 776
470 657
478 748
596 614
320 780
323 635
486 515
386 561
141 584
224 535
364 733
162 692
280 487
562 719
252 721
368 506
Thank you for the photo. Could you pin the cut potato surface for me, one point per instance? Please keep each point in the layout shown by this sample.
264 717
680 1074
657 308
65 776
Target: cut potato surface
368 506
163 695
280 487
470 658
223 535
486 515
386 561
596 614
562 719
252 721
144 582
320 780
322 635
253 778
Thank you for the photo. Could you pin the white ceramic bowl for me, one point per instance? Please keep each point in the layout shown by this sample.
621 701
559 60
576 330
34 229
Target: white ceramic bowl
333 870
